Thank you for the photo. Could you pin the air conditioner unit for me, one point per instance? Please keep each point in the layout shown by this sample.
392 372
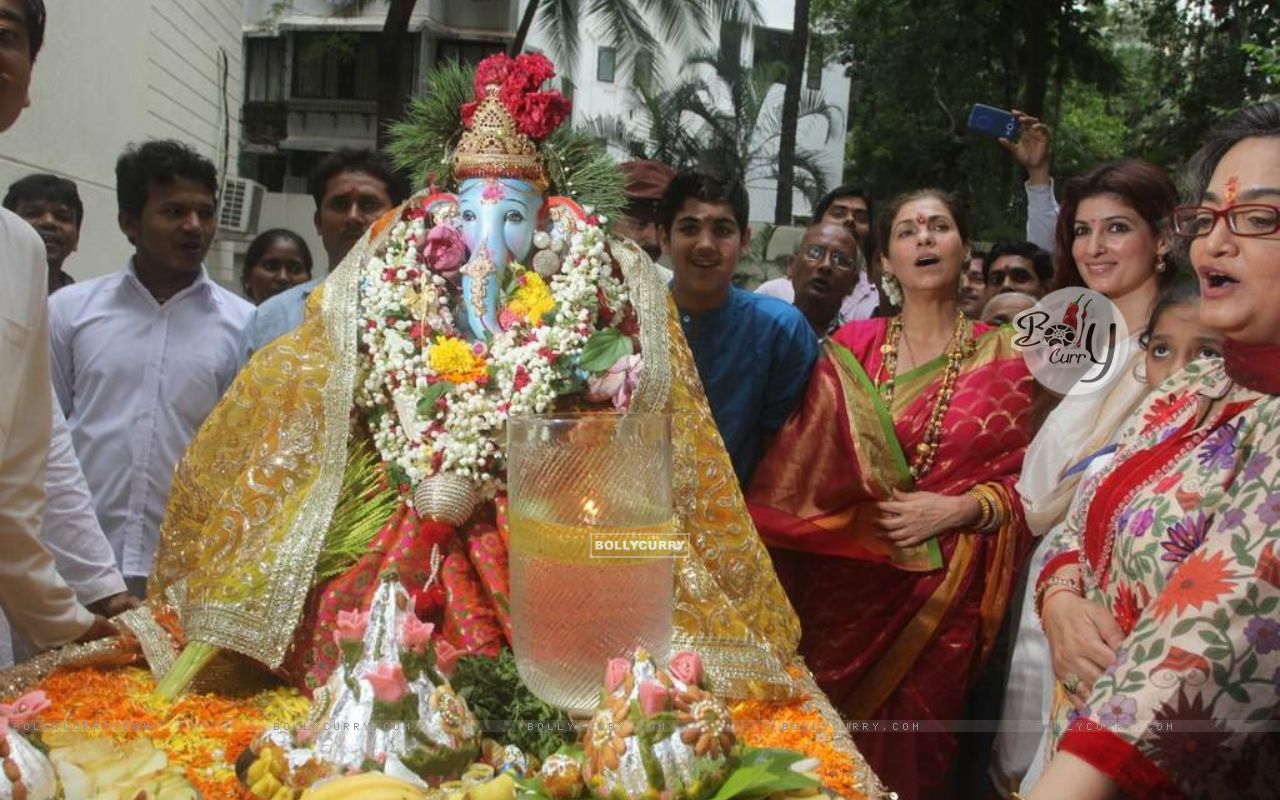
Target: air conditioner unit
241 205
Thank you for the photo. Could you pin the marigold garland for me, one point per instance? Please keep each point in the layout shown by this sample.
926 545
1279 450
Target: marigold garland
203 733
789 725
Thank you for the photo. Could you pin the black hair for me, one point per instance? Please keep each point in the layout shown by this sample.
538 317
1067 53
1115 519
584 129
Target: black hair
369 162
1040 258
258 248
954 207
42 187
161 161
1181 291
706 188
1247 123
835 194
34 17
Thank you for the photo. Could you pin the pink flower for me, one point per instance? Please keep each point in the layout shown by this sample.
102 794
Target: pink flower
493 192
615 673
445 249
507 318
686 667
654 698
350 626
617 383
446 656
387 681
25 707
415 633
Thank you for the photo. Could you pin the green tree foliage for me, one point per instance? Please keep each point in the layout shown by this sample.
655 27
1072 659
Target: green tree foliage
1142 78
724 117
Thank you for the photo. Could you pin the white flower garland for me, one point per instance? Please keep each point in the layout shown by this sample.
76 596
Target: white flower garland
406 312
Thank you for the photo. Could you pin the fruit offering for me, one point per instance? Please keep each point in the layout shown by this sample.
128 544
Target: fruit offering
100 769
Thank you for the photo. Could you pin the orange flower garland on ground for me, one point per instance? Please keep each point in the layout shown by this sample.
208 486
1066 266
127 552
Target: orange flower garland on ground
201 732
788 725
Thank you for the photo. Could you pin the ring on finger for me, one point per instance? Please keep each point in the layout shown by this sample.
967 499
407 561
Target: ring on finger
1071 683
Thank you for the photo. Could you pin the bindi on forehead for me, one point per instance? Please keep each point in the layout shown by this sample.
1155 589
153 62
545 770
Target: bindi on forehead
494 192
1233 190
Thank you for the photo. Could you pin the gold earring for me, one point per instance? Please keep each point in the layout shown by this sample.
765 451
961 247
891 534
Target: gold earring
1161 266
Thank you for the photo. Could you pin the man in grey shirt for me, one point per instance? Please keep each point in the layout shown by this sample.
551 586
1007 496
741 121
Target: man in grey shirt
352 188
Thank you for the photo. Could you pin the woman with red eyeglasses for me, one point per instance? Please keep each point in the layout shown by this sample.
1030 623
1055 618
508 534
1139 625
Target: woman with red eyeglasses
1180 540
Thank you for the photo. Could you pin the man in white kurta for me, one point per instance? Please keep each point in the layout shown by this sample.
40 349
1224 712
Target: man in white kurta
36 599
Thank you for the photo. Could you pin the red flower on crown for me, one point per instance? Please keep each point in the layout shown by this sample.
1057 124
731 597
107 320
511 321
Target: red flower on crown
519 81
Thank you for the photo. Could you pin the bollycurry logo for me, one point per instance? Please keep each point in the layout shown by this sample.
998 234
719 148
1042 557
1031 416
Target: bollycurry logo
1074 341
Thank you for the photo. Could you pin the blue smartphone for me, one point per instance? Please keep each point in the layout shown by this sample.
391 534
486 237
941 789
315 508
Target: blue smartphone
993 122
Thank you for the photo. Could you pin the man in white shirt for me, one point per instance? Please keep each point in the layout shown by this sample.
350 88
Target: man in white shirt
33 595
141 356
352 188
850 207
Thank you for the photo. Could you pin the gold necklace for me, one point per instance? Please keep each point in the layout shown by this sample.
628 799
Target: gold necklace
958 349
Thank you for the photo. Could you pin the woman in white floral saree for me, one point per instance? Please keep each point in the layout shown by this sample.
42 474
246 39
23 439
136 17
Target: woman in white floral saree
1180 541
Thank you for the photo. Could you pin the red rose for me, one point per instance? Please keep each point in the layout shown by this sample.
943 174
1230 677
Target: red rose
686 667
469 113
536 69
493 70
541 113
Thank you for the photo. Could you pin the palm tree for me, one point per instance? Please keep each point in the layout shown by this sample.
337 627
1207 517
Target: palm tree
654 128
790 111
741 130
679 22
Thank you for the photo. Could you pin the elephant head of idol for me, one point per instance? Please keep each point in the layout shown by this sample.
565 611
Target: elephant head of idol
501 201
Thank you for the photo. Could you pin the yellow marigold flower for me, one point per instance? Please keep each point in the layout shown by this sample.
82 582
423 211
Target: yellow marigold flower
533 299
453 360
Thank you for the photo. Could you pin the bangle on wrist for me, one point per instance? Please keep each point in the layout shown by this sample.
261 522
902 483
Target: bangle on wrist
990 515
1046 587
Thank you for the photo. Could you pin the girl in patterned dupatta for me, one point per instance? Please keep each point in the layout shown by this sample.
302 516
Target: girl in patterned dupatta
888 505
1180 542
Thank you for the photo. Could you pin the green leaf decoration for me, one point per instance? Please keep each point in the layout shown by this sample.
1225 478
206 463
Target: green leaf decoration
1268 606
432 394
1248 666
367 500
763 772
1220 674
1220 619
1157 649
603 350
1237 693
1217 653
1209 637
500 700
1183 626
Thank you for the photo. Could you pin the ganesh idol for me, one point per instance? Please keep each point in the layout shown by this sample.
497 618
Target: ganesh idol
371 439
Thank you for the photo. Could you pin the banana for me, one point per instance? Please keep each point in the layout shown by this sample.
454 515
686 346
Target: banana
265 787
258 768
367 786
284 793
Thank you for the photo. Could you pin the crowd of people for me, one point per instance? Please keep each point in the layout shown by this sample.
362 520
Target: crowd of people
1111 558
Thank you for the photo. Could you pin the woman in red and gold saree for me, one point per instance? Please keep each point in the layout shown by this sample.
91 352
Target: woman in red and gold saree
895 627
1180 542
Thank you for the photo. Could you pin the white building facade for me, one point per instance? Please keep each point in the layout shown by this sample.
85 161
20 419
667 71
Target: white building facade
118 71
603 88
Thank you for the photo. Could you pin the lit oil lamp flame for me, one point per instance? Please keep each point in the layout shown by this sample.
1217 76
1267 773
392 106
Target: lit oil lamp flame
590 511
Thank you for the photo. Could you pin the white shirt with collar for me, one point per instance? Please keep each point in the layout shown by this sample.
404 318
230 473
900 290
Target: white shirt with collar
136 378
32 593
860 303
